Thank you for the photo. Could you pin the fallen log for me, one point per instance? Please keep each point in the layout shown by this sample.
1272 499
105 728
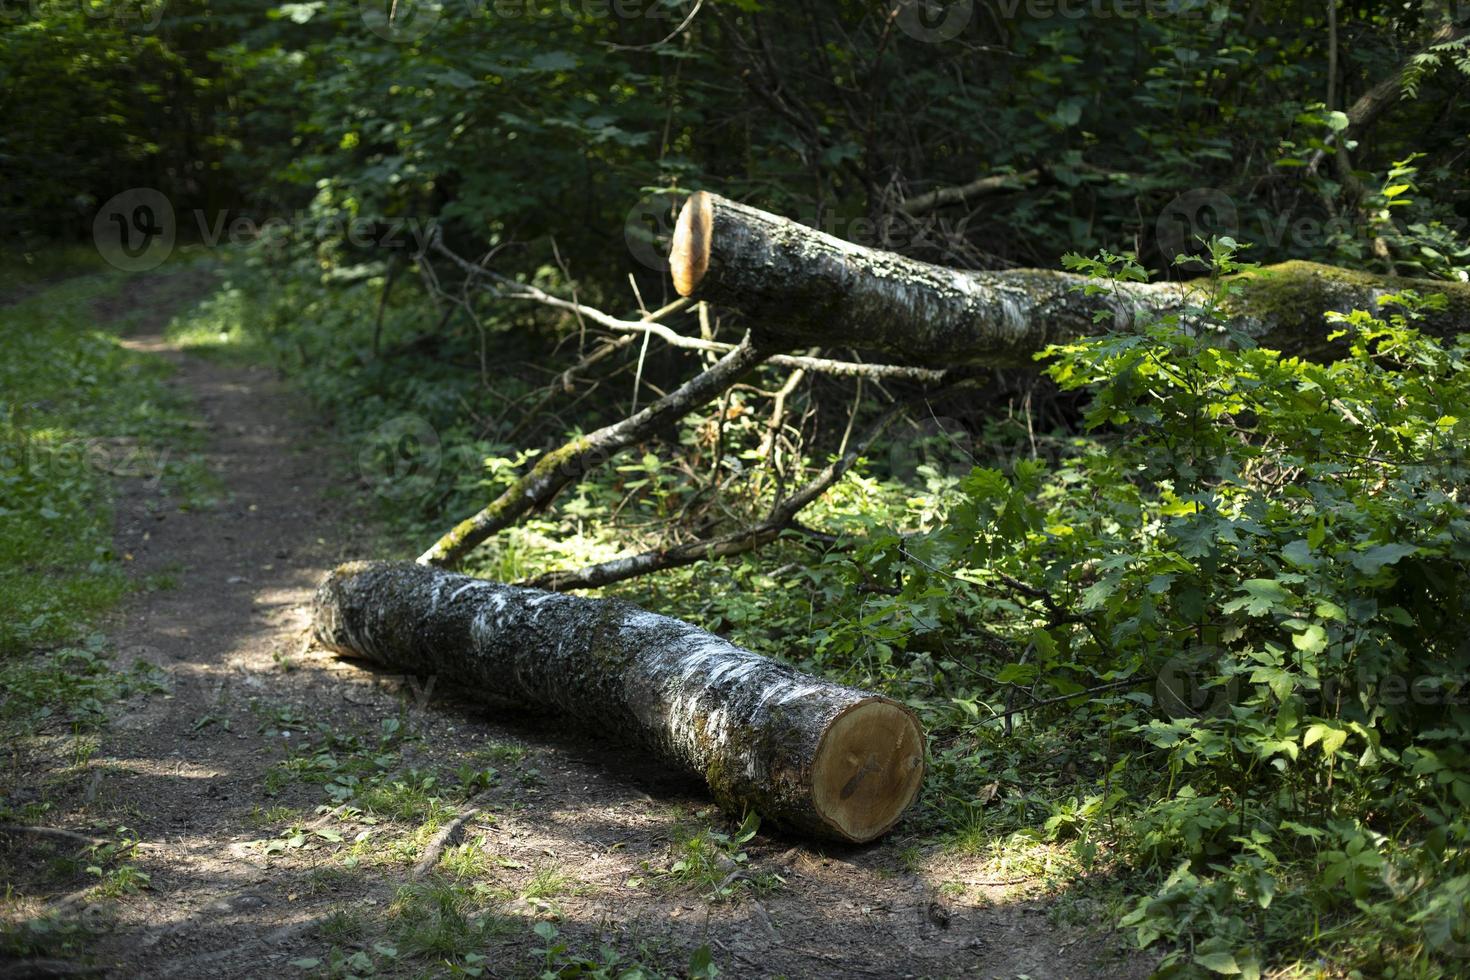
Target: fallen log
800 287
806 754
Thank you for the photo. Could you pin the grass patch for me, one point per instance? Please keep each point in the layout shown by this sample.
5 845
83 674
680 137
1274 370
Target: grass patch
444 920
414 796
78 412
217 327
714 863
465 861
549 881
560 958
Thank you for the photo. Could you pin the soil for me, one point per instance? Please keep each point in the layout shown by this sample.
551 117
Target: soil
194 773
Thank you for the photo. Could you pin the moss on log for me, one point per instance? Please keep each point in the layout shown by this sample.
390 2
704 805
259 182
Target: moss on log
806 754
802 287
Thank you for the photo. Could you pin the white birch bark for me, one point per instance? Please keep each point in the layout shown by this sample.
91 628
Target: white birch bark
807 754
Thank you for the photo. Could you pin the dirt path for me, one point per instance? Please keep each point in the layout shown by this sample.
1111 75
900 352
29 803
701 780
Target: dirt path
227 781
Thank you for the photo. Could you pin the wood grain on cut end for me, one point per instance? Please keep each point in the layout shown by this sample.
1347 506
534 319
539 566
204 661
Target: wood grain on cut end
868 768
689 257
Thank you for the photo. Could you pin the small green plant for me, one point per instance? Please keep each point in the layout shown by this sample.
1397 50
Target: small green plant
347 964
466 861
444 921
502 753
474 780
344 763
560 961
412 796
548 881
714 862
116 875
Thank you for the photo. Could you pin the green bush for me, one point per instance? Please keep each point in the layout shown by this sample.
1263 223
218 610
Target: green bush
1249 589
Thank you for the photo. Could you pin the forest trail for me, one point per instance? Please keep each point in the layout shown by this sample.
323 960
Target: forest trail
253 870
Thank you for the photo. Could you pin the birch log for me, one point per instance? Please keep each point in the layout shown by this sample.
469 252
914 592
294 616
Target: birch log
806 754
801 287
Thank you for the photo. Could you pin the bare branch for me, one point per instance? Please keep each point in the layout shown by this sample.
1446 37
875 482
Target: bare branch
508 288
782 516
981 187
540 485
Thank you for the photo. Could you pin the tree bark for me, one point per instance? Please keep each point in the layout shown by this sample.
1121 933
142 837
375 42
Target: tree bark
806 754
800 287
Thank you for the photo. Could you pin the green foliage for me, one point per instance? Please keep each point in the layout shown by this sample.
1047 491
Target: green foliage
714 862
116 875
515 122
73 684
439 920
561 962
77 411
1249 579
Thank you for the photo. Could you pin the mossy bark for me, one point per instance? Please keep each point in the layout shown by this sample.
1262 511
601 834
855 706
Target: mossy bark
749 726
800 287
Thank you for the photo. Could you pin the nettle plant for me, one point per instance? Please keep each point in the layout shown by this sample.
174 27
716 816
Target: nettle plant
1254 582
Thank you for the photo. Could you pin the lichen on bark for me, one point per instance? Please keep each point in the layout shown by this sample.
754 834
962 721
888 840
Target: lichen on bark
750 726
800 286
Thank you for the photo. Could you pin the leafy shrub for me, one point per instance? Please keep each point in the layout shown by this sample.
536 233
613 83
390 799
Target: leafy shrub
1249 588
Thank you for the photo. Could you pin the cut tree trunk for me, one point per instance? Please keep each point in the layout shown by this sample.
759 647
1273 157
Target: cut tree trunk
800 287
806 754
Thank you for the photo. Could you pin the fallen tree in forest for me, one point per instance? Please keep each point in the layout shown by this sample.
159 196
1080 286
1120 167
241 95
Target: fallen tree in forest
799 287
810 755
805 753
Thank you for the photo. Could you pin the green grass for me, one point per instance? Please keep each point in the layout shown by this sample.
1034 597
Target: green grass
549 881
713 863
467 861
413 797
77 412
25 272
218 327
441 920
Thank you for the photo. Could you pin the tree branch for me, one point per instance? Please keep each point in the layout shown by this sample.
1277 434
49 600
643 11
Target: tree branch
540 485
982 187
782 516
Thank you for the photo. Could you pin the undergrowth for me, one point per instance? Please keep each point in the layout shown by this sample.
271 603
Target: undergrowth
78 413
1200 648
